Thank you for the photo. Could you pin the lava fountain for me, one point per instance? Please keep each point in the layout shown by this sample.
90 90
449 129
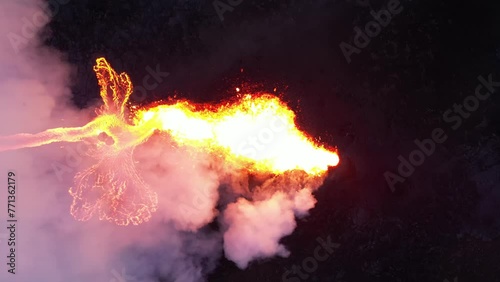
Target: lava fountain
113 190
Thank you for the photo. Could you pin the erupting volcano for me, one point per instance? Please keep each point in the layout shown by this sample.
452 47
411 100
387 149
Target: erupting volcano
113 189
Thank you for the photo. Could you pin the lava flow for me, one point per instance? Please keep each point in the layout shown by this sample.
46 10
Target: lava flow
112 187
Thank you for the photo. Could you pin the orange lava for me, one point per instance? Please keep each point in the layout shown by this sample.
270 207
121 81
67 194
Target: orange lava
256 133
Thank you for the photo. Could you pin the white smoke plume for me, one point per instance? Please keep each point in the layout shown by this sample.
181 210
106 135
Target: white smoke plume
255 228
176 244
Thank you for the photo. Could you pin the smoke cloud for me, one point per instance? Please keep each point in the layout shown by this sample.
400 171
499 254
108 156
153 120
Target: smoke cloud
255 228
194 188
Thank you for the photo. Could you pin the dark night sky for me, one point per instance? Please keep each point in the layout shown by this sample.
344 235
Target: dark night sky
442 222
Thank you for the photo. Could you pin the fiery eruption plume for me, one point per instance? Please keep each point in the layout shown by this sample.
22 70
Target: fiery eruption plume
257 133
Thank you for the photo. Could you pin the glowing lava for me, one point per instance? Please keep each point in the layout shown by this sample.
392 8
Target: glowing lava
257 133
257 130
112 187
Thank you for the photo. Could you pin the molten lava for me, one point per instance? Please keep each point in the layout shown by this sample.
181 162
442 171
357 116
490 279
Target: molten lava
256 133
257 130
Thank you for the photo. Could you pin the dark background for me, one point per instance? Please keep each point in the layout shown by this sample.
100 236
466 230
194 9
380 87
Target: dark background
442 223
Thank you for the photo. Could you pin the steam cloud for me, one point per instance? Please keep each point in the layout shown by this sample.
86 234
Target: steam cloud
255 228
194 188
